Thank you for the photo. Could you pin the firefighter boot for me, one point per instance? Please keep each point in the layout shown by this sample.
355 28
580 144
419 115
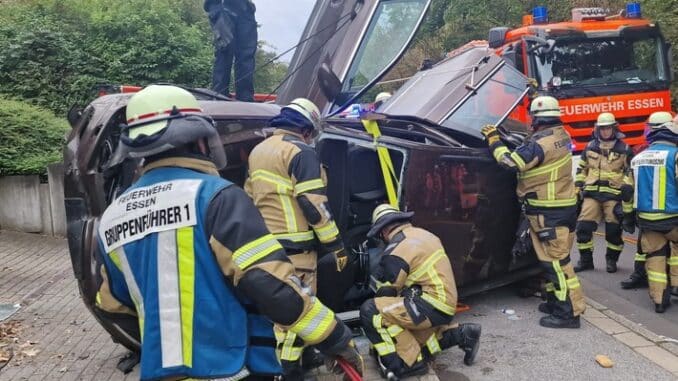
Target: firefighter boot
393 368
666 302
585 261
552 321
292 370
611 259
637 279
467 337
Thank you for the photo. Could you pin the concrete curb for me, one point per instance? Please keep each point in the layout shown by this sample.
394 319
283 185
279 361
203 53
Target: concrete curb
641 340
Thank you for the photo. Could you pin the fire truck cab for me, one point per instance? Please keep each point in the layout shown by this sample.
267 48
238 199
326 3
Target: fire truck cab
597 62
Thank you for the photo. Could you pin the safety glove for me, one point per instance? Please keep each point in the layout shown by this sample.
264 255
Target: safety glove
349 354
629 222
491 134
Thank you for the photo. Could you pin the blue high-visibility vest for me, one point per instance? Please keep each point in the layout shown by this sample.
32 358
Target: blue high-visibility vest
159 262
656 193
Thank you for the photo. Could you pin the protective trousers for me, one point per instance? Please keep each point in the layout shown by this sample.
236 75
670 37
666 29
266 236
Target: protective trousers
398 339
662 250
552 245
289 345
592 212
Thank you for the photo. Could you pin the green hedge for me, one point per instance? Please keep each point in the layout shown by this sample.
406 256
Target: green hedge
31 138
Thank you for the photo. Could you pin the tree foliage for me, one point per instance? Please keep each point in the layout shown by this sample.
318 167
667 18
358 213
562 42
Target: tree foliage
31 138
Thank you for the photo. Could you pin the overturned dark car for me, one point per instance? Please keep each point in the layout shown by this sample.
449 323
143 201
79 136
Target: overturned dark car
430 127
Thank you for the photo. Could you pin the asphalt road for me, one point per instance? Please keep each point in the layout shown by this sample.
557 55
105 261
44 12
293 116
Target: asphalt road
635 305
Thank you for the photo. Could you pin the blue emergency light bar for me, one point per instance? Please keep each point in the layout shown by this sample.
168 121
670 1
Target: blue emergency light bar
633 11
540 15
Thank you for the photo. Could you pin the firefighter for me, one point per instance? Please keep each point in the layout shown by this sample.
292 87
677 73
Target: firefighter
544 168
410 320
189 254
235 39
600 185
655 200
287 184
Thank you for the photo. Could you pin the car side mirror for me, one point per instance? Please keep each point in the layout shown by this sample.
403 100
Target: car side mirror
329 83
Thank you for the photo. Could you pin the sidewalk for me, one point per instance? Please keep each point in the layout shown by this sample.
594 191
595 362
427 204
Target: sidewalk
58 338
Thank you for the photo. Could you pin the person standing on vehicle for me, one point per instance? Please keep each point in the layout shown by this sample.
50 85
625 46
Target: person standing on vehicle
235 37
600 185
545 185
410 319
287 184
189 254
655 199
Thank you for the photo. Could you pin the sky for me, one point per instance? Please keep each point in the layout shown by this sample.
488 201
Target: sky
282 22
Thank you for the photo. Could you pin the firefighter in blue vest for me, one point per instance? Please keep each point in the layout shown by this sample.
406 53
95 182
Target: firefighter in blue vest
544 169
189 254
601 184
655 200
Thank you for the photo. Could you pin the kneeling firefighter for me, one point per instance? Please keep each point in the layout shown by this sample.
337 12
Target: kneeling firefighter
189 254
655 200
287 184
601 184
410 319
544 168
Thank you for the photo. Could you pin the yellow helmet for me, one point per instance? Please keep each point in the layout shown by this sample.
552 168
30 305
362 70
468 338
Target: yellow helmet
384 215
662 119
161 118
307 109
545 106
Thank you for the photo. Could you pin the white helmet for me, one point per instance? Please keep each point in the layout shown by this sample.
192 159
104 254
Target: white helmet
545 106
161 118
382 97
607 119
307 109
662 119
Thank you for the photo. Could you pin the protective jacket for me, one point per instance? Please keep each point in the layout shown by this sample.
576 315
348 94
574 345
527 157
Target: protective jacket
602 169
544 165
656 177
415 265
287 184
190 255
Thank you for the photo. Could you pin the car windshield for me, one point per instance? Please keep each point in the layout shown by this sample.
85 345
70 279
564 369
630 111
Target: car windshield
592 62
495 98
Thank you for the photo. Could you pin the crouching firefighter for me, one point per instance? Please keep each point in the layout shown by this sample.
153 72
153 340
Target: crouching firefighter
410 320
287 184
189 254
655 200
545 185
600 183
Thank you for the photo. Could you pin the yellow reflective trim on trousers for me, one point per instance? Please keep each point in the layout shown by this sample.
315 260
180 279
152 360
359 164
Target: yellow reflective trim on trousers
561 293
553 203
295 237
585 245
425 267
308 186
186 253
387 346
654 276
433 345
596 188
546 168
656 216
327 232
394 330
255 250
97 299
518 160
662 188
573 283
615 247
640 257
499 152
672 261
262 174
315 323
550 287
